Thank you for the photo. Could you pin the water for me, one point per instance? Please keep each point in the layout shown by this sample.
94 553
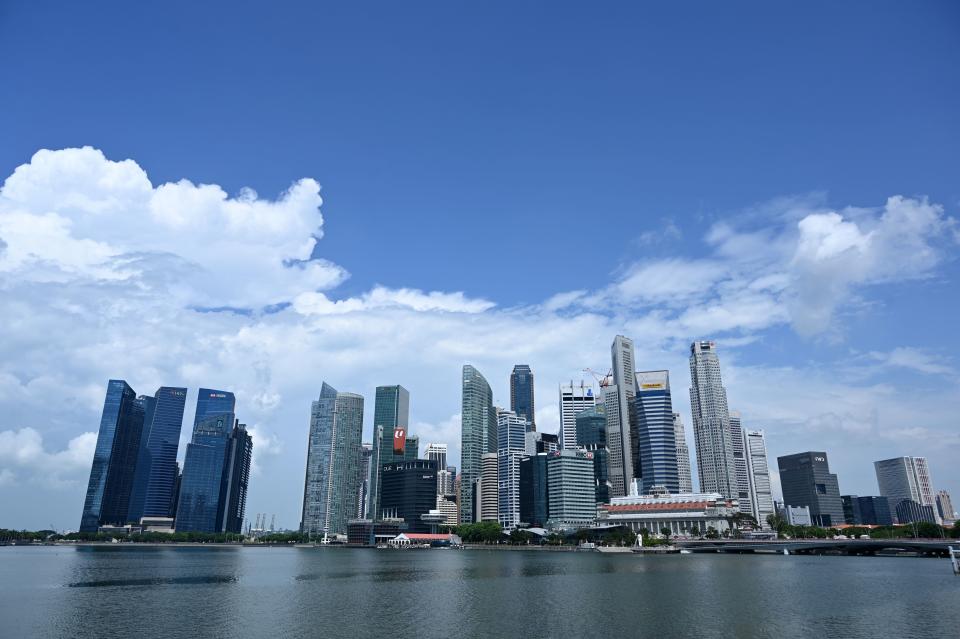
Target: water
291 592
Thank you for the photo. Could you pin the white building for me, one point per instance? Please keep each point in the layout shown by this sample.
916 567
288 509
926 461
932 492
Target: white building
625 388
682 514
683 456
574 398
448 508
485 489
511 431
796 515
438 453
903 478
759 475
571 490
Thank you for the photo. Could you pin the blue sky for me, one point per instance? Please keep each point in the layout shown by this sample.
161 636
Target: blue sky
698 171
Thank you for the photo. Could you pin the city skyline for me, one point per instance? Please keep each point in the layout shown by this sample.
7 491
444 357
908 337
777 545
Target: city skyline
288 223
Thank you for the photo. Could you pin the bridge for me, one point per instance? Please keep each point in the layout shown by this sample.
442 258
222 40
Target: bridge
868 547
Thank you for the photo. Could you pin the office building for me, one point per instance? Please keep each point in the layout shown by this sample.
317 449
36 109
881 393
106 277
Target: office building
333 452
687 515
156 474
438 453
806 480
409 491
366 532
570 490
201 508
485 490
903 478
534 491
656 441
121 412
236 479
741 473
758 473
866 511
447 482
716 468
619 482
624 448
592 437
796 515
391 411
945 508
538 442
684 473
121 472
574 397
478 436
910 512
511 431
521 394
447 506
364 472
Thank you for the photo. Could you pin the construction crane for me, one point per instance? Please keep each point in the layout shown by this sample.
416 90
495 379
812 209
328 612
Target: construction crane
602 380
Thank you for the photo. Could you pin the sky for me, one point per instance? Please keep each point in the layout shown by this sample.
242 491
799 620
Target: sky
260 197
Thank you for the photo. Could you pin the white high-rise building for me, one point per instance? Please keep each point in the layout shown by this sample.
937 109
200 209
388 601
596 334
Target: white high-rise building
511 431
945 508
743 485
621 418
486 489
438 453
759 475
716 468
903 478
683 456
574 399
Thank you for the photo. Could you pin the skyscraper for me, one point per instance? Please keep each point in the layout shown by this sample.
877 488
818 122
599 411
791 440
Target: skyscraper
364 472
391 410
156 475
521 394
122 412
684 475
486 499
438 453
236 479
806 480
573 399
478 436
534 494
511 431
333 451
759 475
123 465
945 508
742 473
625 384
571 494
592 437
657 442
540 442
716 468
200 508
619 481
903 478
409 491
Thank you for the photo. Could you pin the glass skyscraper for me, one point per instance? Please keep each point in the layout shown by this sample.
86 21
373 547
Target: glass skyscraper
478 435
120 412
623 442
511 433
156 474
657 443
521 394
333 454
592 437
391 409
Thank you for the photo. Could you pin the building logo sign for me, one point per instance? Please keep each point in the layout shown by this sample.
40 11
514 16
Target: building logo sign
651 386
819 459
399 440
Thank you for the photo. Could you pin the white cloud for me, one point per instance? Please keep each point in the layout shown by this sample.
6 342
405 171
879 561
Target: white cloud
23 450
314 303
914 359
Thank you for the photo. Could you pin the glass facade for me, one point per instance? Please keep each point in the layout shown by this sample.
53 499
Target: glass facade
511 435
157 462
236 479
478 435
123 464
655 432
331 489
409 491
592 436
199 508
521 394
117 401
534 494
391 409
716 468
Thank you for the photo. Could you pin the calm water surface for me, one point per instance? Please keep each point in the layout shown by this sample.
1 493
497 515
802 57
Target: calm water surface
291 592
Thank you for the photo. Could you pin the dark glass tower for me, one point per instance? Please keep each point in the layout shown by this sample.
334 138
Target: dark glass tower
409 490
236 479
117 407
200 508
156 477
592 436
521 393
656 437
391 409
806 480
534 496
123 464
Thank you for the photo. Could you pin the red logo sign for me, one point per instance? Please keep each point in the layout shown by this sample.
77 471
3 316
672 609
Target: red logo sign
399 440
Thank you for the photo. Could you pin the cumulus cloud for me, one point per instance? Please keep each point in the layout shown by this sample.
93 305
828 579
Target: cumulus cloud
22 452
315 303
75 216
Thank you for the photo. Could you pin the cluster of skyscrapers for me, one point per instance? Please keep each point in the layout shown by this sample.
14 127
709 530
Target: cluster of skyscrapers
135 481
